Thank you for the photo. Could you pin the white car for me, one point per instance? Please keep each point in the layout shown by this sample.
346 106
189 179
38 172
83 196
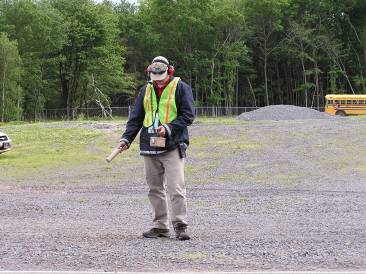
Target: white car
5 143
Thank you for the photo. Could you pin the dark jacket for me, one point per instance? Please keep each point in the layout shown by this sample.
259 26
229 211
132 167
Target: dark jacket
176 131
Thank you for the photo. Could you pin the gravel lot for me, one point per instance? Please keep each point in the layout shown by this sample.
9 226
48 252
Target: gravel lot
263 195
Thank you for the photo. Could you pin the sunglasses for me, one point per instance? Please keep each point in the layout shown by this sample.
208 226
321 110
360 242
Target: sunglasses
158 72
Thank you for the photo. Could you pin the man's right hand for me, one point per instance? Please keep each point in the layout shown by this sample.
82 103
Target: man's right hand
122 146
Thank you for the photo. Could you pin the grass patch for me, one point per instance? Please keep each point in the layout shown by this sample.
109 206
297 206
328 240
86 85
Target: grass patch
232 177
219 120
195 256
357 116
235 145
40 147
200 141
12 123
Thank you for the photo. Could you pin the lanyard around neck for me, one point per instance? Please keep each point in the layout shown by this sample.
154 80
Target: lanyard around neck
155 119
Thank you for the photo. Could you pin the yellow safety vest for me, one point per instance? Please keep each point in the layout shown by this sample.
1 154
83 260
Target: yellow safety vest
167 107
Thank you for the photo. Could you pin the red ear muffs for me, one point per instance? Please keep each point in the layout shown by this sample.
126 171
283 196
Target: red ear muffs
171 70
148 69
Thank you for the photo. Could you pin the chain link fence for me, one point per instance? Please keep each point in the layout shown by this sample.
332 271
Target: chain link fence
91 113
78 113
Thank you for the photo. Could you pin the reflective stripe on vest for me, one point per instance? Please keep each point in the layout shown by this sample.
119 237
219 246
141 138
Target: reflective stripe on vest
167 106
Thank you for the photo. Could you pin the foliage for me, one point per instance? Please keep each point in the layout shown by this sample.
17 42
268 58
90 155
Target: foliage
91 52
232 52
39 31
10 71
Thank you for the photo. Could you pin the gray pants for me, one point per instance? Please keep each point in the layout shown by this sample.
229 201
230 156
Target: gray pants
166 172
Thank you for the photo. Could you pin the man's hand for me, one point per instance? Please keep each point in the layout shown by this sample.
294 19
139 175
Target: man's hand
122 146
161 131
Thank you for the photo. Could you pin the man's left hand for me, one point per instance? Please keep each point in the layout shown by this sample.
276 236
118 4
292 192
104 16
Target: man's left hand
161 131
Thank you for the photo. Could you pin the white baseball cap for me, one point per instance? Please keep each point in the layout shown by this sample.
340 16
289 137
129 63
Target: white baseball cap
158 70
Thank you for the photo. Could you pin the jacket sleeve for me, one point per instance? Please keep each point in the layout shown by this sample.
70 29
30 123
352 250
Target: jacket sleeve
185 109
136 119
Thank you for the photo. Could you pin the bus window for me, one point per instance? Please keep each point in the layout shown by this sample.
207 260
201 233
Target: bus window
343 102
336 102
349 102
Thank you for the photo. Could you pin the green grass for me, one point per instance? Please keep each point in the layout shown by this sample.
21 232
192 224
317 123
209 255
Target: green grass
12 123
357 116
39 147
219 120
195 256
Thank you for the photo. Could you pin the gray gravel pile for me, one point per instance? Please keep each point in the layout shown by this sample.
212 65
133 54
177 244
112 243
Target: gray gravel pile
283 112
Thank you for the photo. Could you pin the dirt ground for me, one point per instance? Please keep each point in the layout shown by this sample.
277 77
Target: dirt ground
268 195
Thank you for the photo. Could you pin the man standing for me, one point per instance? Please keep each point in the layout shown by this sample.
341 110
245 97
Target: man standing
163 110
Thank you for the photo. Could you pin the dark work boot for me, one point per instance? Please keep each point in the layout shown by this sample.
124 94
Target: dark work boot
156 233
181 232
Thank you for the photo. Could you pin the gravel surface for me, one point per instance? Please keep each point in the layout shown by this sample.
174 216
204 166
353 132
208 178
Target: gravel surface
283 112
266 195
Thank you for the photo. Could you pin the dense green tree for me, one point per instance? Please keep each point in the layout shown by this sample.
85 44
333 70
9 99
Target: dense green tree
10 72
91 52
204 39
81 54
39 30
265 18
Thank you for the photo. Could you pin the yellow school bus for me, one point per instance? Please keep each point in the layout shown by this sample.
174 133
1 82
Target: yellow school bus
345 104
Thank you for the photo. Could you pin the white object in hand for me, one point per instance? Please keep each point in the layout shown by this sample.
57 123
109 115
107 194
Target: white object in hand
113 155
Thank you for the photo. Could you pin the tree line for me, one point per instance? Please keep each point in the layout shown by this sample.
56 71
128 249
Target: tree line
76 54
